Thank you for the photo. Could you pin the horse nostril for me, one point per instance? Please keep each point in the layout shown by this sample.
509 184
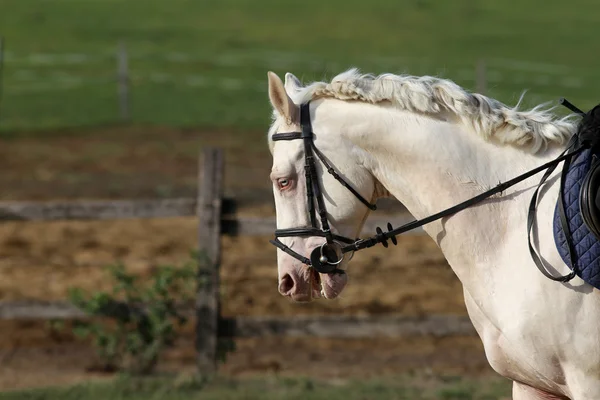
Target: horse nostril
286 284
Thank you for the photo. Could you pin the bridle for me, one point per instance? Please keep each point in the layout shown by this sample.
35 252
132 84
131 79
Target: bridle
324 258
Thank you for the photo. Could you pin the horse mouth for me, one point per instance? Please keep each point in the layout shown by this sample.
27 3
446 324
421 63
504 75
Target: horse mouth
328 286
315 284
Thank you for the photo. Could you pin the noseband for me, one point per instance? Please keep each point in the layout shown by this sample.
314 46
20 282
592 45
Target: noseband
324 258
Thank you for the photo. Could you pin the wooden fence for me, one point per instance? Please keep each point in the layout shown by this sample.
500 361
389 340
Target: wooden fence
216 216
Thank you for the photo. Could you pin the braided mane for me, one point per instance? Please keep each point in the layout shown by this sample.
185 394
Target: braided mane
532 129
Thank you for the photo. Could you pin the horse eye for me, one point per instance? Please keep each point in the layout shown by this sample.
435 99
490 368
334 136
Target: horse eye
283 183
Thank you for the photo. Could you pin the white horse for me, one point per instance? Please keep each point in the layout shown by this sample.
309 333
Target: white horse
430 144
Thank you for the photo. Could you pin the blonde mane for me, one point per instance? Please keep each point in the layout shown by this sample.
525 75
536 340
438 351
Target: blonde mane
532 130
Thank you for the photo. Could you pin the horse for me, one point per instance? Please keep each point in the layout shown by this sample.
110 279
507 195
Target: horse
431 144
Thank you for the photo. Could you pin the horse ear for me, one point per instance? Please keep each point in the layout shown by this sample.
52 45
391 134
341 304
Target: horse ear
281 102
292 84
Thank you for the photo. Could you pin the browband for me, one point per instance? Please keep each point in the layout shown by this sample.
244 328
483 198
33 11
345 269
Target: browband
286 136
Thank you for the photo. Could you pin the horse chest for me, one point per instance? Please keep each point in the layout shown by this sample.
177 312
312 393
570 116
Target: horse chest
510 355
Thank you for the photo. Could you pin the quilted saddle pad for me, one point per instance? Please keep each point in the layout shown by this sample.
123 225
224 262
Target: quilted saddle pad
586 245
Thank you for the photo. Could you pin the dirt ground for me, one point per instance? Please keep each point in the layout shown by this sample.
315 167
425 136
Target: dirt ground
42 260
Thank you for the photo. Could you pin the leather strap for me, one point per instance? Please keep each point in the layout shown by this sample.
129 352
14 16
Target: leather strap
340 180
307 137
372 241
286 136
291 232
277 243
531 219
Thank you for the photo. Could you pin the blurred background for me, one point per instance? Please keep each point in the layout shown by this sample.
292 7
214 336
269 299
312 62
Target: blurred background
116 99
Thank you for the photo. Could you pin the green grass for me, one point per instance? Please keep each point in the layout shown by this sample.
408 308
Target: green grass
271 389
203 63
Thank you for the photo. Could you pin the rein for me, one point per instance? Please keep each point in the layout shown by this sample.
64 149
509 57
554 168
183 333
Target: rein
324 258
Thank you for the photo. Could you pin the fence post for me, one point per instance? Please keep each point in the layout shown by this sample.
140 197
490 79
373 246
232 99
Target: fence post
123 82
210 188
480 79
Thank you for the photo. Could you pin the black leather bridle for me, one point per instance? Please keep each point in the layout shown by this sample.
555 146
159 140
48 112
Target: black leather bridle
324 258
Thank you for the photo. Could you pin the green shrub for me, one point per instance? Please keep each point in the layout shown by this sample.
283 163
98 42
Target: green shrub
131 325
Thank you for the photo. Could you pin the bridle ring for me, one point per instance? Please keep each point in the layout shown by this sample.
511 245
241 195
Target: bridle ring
324 259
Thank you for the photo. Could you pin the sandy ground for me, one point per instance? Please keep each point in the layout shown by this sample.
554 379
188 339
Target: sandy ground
41 260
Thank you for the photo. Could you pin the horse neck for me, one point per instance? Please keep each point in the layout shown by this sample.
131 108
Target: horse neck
430 164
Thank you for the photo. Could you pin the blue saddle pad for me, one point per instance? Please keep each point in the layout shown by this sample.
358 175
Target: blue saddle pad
586 245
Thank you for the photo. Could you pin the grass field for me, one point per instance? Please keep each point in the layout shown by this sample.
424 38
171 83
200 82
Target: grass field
204 63
274 388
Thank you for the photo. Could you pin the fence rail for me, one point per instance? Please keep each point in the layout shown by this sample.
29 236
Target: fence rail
83 79
325 326
216 216
102 209
151 208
